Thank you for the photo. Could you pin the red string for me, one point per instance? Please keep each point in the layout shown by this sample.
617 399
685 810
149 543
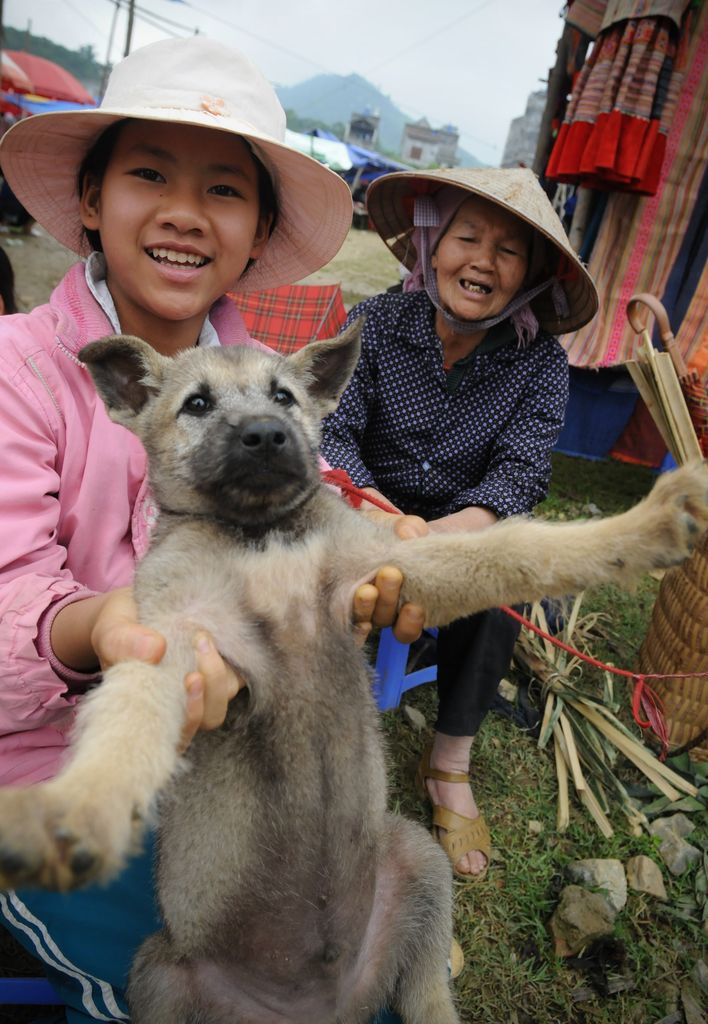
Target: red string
644 698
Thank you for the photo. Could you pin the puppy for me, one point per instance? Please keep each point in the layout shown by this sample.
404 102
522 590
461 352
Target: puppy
288 892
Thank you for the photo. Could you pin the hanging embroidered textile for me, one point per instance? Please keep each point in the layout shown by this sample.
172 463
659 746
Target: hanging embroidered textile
615 128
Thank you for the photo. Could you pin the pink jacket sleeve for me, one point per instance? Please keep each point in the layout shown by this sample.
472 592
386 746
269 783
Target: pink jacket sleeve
33 577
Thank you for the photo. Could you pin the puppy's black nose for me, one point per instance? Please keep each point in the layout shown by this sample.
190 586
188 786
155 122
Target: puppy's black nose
263 434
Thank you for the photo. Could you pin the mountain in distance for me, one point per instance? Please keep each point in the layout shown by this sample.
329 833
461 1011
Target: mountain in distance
334 98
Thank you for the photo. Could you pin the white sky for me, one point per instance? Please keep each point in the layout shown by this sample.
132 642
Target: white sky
471 63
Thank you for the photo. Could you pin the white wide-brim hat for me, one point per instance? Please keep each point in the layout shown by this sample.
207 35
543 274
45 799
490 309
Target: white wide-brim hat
200 82
390 199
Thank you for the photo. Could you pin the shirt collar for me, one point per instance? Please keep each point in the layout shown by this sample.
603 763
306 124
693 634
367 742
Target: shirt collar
96 282
496 337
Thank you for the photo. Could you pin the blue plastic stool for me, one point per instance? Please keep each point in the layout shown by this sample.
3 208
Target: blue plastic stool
391 679
27 992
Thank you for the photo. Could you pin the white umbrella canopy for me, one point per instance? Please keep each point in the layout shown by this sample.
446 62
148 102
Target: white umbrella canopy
13 77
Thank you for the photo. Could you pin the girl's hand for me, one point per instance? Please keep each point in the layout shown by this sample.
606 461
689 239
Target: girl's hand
376 604
118 636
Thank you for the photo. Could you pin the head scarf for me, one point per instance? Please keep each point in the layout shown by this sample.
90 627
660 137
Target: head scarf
432 216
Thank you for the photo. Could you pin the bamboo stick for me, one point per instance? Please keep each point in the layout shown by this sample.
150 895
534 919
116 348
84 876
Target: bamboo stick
563 816
598 815
541 621
638 754
574 760
547 713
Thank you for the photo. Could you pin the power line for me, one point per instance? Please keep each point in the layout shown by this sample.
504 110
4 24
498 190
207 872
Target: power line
426 39
261 39
159 21
100 31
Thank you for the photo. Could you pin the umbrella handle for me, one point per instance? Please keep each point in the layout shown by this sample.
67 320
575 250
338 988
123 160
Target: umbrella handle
665 332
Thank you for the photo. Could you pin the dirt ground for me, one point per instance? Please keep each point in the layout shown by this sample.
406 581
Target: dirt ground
363 266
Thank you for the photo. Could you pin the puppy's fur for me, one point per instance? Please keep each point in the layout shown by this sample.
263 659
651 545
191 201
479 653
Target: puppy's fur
288 892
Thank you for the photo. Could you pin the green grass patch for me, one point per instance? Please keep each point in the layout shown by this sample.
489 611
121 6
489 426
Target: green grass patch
512 975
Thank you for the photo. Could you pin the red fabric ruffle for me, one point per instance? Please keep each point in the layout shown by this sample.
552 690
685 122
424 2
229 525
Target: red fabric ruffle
618 153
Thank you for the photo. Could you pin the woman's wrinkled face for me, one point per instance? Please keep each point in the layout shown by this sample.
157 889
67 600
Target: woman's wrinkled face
481 261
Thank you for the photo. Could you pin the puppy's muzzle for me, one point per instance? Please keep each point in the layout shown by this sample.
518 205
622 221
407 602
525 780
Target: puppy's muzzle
263 437
264 455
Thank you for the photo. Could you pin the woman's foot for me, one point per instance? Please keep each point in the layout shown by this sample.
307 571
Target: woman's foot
452 754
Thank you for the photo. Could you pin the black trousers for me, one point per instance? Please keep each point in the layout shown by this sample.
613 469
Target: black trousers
473 655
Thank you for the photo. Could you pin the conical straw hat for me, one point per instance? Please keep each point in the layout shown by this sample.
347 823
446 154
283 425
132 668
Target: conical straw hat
389 202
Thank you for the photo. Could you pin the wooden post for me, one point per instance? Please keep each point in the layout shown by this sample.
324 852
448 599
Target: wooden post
129 34
558 87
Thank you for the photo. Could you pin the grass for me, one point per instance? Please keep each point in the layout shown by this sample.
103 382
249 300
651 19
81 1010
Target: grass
512 975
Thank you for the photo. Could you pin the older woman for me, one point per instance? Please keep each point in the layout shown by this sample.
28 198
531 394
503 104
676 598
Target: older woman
454 408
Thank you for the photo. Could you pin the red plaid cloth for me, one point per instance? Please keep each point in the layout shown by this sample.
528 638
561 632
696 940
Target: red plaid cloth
286 318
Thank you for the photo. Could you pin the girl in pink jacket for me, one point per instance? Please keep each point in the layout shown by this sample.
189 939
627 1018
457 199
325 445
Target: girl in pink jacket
177 189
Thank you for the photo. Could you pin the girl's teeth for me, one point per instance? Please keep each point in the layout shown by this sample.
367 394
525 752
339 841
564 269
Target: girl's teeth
172 256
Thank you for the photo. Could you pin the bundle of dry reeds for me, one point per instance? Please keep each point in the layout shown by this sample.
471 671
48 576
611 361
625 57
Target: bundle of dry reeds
587 736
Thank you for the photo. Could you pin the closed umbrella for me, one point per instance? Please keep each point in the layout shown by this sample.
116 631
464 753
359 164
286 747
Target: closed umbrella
677 397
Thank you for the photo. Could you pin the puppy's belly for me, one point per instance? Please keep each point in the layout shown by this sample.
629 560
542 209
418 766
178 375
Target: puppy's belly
275 980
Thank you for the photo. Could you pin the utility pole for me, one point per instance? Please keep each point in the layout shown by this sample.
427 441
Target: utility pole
129 35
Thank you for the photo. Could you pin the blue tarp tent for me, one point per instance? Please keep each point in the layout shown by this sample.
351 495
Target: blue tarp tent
36 105
366 164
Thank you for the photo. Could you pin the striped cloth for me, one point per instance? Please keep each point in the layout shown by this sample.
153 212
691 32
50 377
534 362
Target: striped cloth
640 239
591 16
286 318
586 15
614 132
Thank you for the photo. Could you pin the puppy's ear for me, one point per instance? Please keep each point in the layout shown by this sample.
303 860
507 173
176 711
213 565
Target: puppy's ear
127 373
326 366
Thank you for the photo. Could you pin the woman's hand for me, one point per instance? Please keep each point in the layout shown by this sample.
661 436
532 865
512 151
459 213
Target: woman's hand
209 689
376 604
118 636
467 520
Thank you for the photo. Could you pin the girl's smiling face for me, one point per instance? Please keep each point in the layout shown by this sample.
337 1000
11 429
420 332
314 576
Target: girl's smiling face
179 216
481 260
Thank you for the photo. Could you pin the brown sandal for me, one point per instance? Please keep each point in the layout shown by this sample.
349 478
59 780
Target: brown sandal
459 835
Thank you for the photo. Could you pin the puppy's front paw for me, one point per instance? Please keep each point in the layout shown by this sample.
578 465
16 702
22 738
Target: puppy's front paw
58 840
676 514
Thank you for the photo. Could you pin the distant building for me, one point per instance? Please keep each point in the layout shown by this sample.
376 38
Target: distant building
520 148
363 130
422 145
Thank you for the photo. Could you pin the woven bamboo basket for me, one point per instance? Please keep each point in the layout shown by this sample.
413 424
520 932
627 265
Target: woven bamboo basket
677 641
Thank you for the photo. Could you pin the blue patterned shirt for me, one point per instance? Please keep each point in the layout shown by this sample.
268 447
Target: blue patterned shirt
436 441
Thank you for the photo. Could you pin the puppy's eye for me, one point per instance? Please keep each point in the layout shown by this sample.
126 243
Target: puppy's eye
197 405
281 396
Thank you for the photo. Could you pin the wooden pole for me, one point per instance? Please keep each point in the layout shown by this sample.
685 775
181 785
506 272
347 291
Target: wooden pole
558 88
129 34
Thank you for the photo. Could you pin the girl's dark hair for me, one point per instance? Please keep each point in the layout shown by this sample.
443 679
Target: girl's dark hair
7 283
96 161
94 166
